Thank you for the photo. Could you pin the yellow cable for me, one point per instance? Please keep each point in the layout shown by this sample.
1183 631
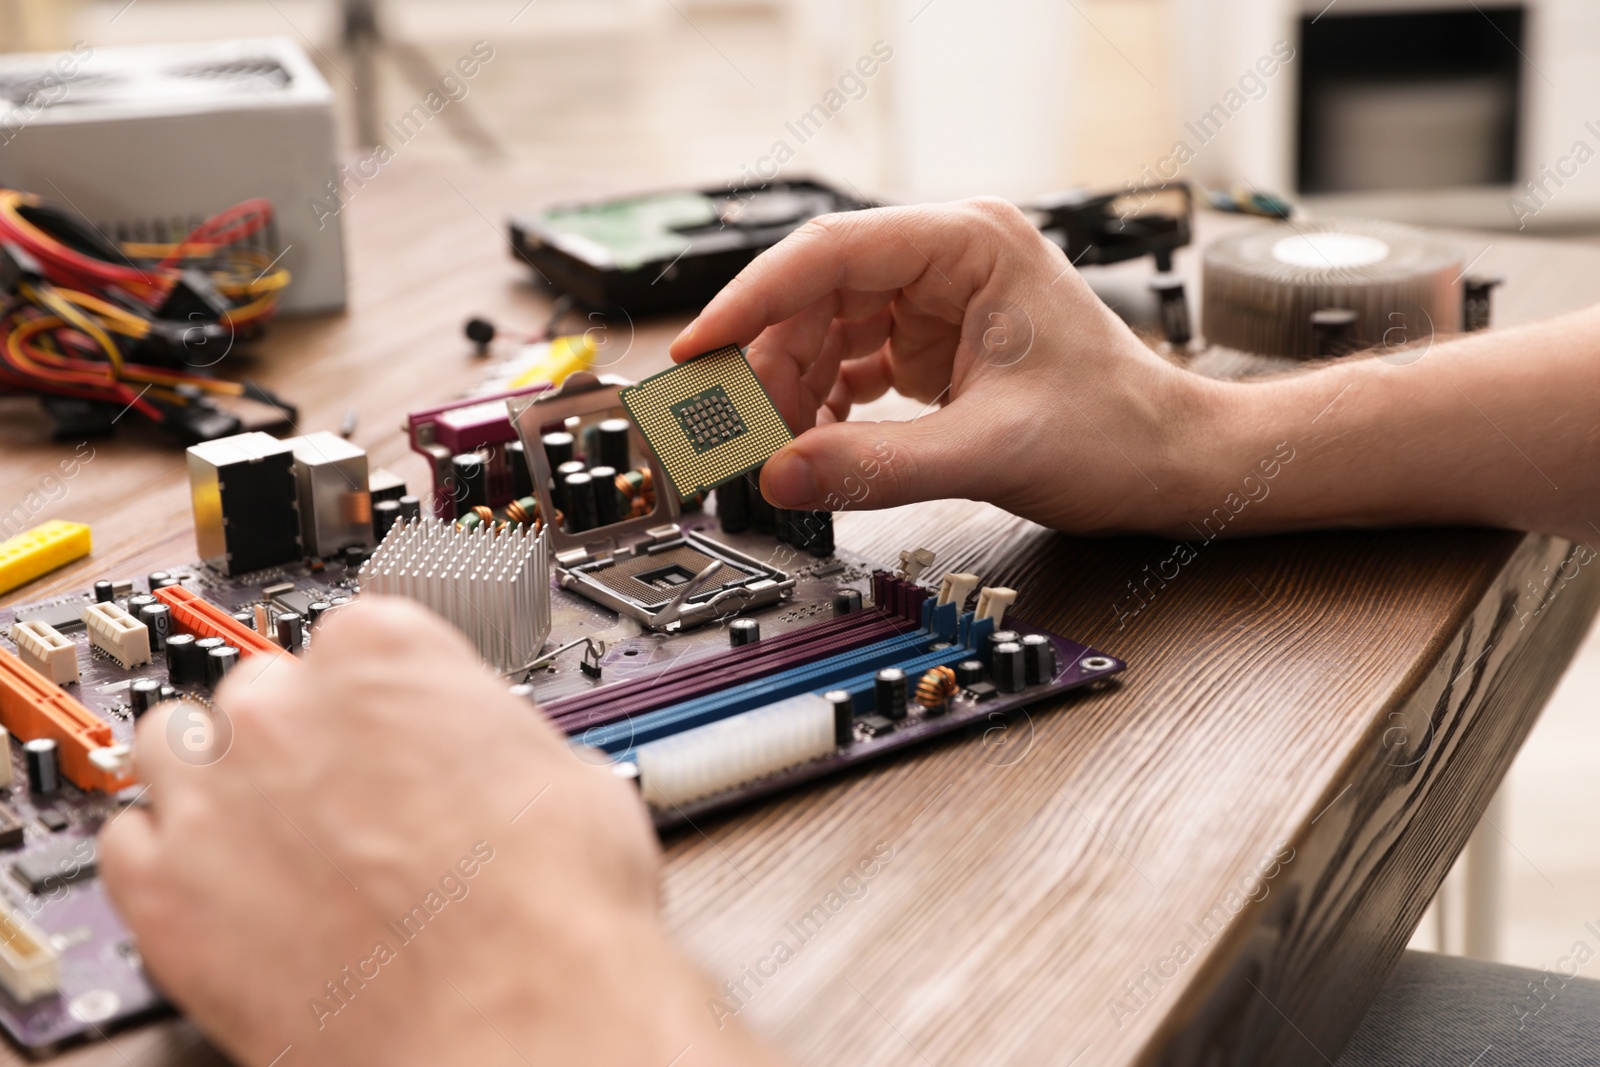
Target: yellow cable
51 299
117 319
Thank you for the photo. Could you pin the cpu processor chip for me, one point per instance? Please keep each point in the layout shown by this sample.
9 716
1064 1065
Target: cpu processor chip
707 420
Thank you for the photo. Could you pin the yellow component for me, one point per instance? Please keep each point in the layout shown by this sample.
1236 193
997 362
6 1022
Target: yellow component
41 550
565 355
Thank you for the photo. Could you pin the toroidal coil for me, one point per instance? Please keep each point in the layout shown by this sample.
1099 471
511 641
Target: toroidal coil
1262 286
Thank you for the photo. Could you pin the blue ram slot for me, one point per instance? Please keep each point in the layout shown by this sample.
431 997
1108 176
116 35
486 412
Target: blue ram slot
862 687
809 678
940 619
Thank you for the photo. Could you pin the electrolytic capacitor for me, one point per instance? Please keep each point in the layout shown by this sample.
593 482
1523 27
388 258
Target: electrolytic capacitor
219 661
1001 637
291 629
813 531
889 690
168 693
761 509
104 592
844 715
203 649
733 505
1010 673
783 525
140 600
1335 331
559 448
580 509
160 580
1173 309
470 481
247 619
1038 659
143 695
572 466
614 450
516 461
44 766
410 508
607 501
157 618
743 632
1475 306
183 660
846 602
969 672
385 513
316 609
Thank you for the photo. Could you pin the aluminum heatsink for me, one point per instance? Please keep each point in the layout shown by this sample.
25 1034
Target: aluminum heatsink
1262 285
492 585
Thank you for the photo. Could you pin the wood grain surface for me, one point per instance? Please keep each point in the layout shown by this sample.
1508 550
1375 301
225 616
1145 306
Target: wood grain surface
1314 722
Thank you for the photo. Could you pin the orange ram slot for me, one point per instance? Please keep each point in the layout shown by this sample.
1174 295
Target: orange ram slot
195 615
32 707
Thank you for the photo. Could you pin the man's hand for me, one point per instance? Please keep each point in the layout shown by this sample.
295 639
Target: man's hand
1039 398
381 856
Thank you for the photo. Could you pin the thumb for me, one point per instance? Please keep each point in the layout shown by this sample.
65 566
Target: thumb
867 465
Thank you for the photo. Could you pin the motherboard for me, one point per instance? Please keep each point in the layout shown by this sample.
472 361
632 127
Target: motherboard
714 650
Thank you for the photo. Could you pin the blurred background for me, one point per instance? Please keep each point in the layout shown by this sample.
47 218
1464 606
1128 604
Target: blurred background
1434 112
1428 111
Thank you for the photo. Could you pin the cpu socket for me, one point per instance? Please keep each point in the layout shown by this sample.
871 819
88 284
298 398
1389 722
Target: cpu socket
647 567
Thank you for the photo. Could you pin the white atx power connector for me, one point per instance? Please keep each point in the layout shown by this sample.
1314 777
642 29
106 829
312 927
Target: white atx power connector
686 767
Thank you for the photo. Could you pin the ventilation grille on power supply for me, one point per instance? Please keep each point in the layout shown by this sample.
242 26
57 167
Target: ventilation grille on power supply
173 230
243 74
46 88
36 90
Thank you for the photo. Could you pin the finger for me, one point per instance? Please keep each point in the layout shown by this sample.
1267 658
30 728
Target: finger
873 465
861 381
786 351
153 760
881 250
361 647
812 342
177 742
129 852
847 342
375 628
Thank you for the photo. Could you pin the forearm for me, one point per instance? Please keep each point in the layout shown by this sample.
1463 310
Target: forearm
1499 429
651 1006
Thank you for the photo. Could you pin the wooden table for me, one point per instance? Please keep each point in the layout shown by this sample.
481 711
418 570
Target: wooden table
1336 709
